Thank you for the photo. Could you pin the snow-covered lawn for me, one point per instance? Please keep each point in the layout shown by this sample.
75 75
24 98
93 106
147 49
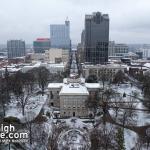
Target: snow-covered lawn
77 123
31 110
130 139
141 117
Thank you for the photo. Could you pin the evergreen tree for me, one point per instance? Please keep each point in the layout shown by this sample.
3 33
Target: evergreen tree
43 75
119 77
91 79
120 139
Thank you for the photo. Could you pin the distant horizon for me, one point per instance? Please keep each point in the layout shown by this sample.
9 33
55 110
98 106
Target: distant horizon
1 44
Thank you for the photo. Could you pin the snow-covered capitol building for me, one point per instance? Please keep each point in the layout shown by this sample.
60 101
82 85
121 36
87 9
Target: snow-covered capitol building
70 96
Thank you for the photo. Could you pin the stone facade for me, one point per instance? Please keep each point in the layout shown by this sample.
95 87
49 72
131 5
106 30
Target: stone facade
109 70
73 105
70 96
56 55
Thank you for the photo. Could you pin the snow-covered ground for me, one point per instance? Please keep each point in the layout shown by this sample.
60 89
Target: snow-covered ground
141 117
77 127
31 110
130 138
77 123
40 135
76 137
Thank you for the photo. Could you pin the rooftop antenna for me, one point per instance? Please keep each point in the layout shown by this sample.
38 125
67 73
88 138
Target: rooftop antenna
67 18
67 21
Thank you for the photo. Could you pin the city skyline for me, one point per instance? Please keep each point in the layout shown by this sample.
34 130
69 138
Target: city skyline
28 20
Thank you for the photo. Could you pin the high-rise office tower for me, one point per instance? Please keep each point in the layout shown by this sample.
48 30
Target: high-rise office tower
41 44
16 48
60 35
80 48
96 38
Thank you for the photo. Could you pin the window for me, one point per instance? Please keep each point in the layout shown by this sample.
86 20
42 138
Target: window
52 104
51 95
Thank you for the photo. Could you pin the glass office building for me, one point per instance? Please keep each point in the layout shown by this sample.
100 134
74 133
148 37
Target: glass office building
60 35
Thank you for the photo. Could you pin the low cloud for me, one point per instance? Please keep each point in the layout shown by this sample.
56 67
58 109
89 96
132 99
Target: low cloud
29 19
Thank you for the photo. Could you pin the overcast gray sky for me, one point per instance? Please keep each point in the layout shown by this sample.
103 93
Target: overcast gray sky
29 19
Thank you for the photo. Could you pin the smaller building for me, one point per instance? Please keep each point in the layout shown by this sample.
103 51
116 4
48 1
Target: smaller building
111 49
12 69
108 70
53 68
30 57
117 49
145 52
126 61
55 55
131 55
16 48
121 49
41 44
140 55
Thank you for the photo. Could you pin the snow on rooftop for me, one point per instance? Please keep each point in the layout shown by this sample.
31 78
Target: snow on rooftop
54 64
10 69
65 80
55 85
37 64
82 80
147 65
93 85
73 89
112 65
77 87
73 75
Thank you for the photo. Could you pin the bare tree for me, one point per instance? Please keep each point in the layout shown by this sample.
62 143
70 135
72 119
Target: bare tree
29 125
103 77
103 138
91 79
39 135
146 88
41 75
22 88
92 102
2 96
53 138
4 90
119 77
